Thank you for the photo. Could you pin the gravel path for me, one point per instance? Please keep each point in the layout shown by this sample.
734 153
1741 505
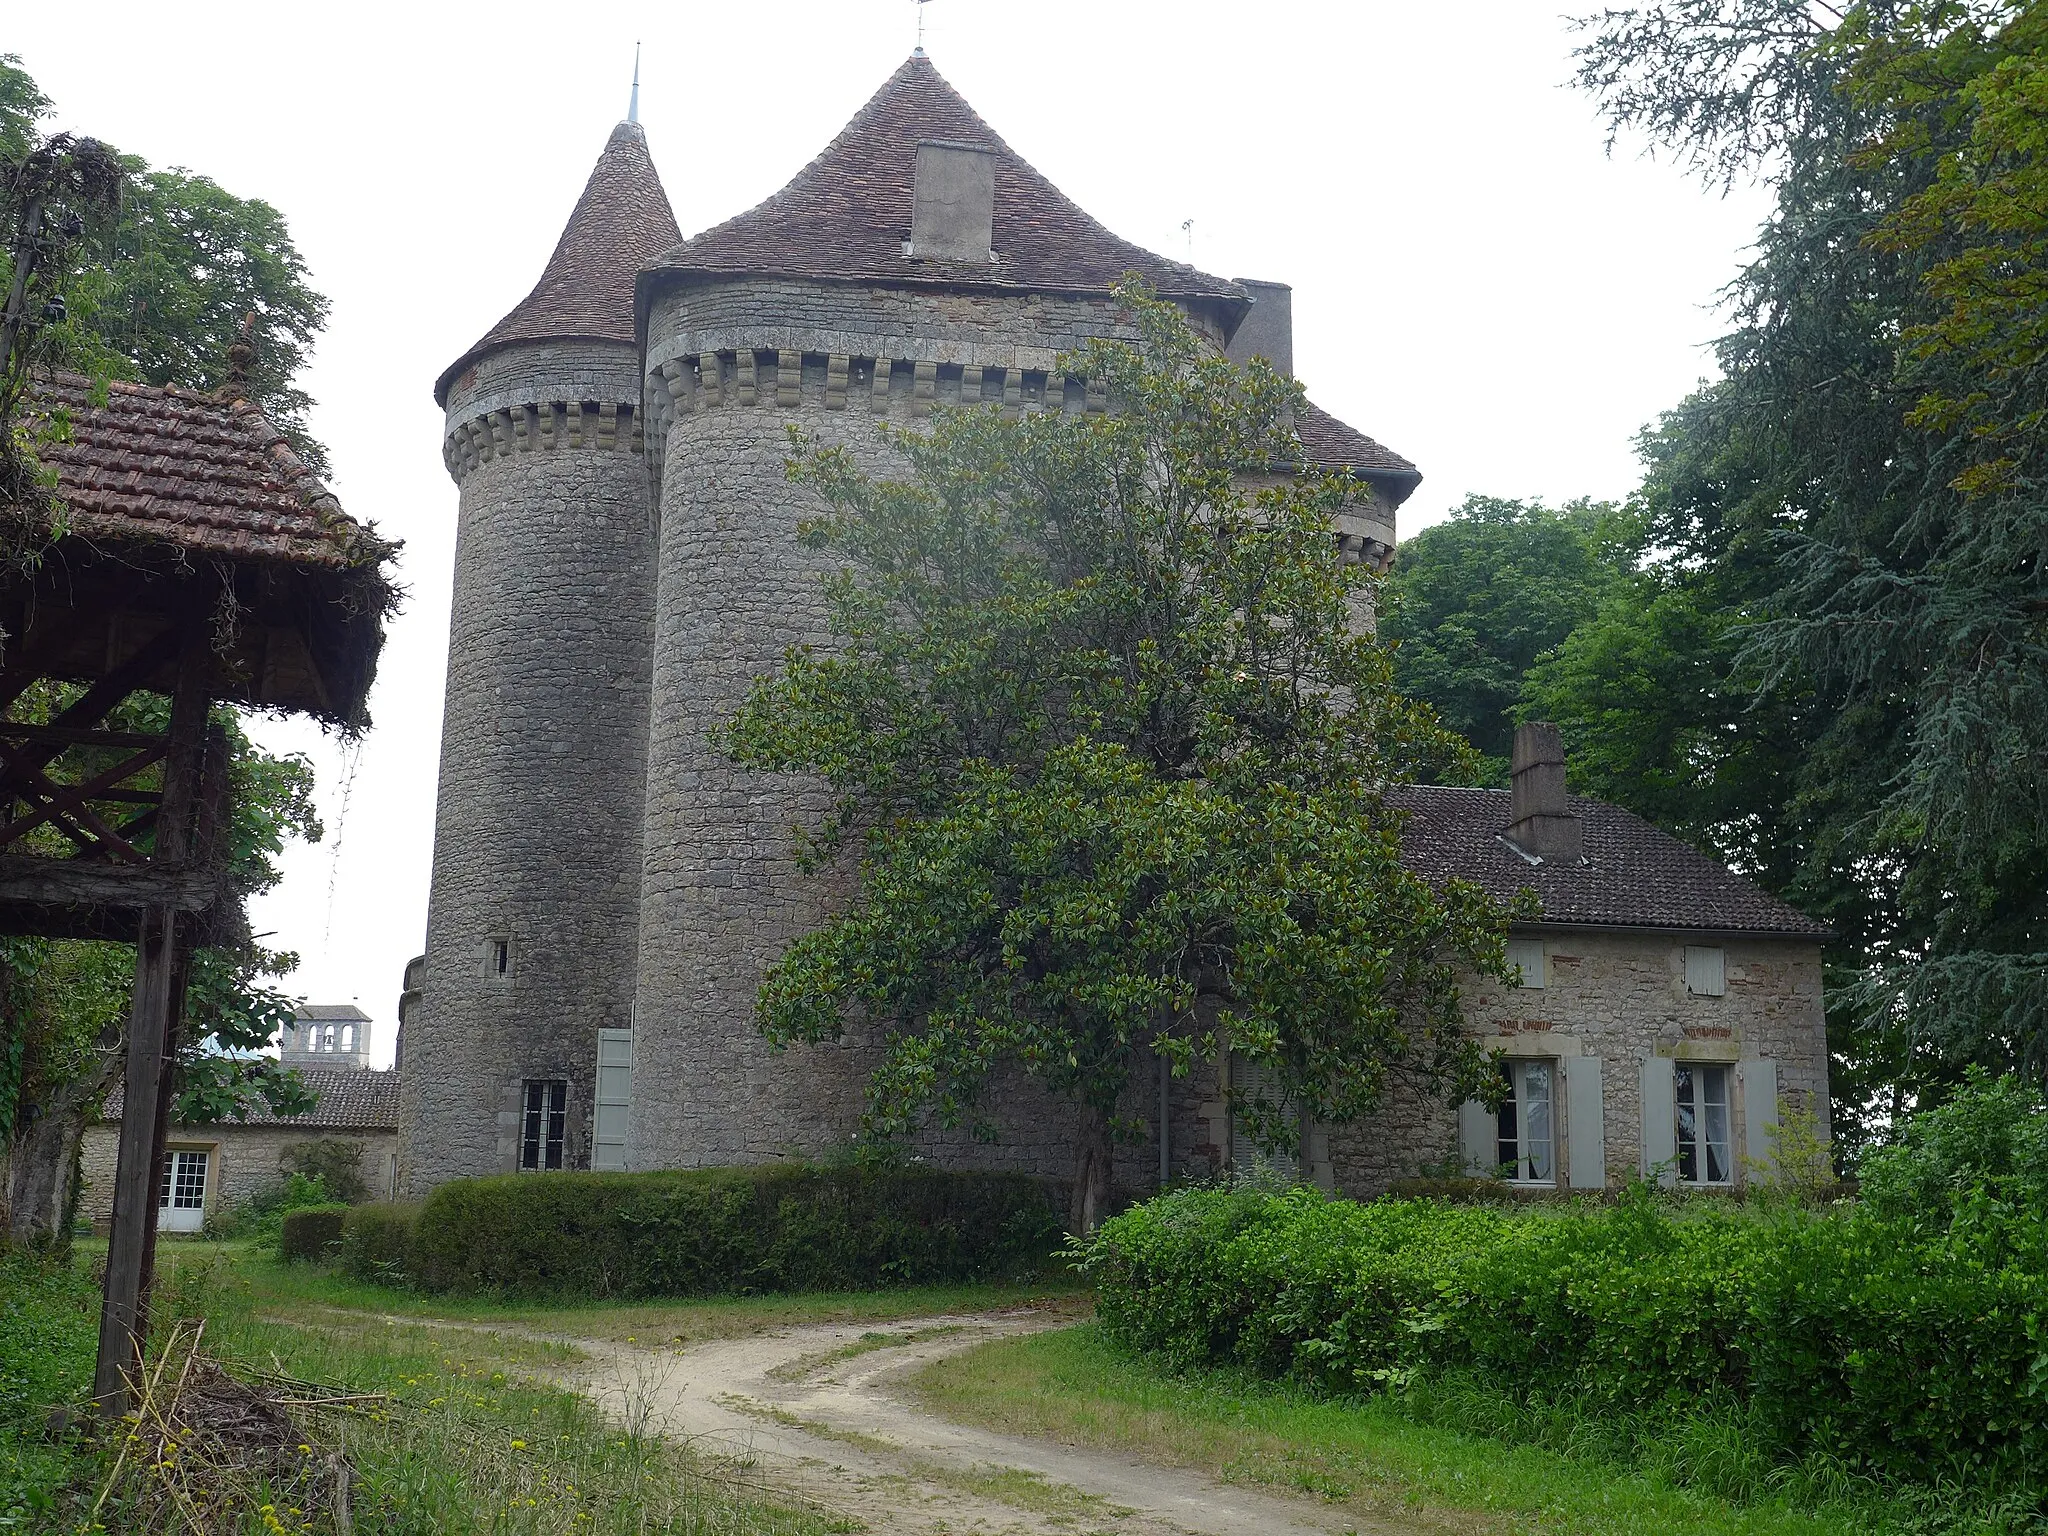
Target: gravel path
818 1410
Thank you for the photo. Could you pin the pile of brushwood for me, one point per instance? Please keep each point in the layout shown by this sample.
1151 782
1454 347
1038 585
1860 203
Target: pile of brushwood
1901 1337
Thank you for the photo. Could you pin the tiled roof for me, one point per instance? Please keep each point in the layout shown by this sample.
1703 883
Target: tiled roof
1634 875
1328 444
621 224
847 214
351 1099
338 1012
175 467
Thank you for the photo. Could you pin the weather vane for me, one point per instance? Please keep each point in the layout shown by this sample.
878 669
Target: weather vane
920 4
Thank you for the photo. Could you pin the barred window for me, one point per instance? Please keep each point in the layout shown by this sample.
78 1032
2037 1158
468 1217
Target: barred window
547 1114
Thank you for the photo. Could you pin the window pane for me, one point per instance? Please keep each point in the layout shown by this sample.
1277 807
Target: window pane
1687 1124
1508 1140
1714 1114
1536 1163
530 1127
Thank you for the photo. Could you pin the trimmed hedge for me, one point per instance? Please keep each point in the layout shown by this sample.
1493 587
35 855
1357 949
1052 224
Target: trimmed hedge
376 1242
776 1227
1914 1357
310 1234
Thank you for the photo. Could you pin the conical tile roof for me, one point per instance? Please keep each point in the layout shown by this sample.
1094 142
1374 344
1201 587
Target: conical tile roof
846 215
621 223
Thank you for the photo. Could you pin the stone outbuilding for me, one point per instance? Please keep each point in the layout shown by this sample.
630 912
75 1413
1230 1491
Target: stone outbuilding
210 1169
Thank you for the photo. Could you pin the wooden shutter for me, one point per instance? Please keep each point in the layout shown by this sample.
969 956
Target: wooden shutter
1478 1140
1246 1155
1527 954
1585 1123
1706 972
614 1100
1759 1084
1660 1120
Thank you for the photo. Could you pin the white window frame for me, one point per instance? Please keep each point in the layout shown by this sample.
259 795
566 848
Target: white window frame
1516 1115
181 1189
1690 1082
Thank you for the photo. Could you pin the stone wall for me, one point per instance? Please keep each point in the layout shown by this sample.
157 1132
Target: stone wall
543 742
1617 997
721 893
245 1162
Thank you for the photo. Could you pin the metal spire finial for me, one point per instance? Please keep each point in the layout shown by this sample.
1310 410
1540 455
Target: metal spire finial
633 106
921 4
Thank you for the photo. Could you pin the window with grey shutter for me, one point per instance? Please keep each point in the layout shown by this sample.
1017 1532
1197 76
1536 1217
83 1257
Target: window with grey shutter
1526 955
1705 970
1758 1081
1660 1138
1585 1123
614 1100
1250 1079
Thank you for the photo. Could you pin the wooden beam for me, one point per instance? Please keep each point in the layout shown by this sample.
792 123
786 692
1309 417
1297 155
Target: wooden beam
128 889
124 1318
72 736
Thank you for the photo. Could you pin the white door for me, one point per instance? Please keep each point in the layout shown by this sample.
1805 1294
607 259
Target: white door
181 1197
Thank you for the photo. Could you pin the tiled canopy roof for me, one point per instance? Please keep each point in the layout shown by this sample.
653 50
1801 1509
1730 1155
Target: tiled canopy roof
174 467
351 1099
1328 444
621 224
1634 875
847 213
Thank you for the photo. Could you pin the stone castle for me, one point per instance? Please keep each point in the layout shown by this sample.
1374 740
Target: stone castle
607 889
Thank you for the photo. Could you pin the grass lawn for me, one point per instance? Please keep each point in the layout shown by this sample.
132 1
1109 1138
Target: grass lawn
467 1436
1368 1456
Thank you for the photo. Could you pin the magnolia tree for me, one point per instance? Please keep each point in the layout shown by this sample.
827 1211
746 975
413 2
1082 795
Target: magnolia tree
1108 744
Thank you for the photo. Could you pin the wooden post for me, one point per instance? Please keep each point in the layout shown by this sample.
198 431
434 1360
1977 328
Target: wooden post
124 1325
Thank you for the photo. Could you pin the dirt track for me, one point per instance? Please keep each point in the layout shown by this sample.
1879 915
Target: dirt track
816 1410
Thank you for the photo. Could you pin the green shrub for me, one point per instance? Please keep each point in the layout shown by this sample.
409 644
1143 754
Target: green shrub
261 1216
778 1227
310 1234
336 1164
1974 1168
1840 1334
376 1242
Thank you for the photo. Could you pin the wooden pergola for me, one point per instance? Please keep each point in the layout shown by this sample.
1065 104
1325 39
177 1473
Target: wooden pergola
188 557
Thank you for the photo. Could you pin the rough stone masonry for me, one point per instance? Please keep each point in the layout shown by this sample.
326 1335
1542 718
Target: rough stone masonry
608 889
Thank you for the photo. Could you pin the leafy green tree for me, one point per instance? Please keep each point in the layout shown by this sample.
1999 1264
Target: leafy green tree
1475 600
155 292
1860 496
1109 746
164 286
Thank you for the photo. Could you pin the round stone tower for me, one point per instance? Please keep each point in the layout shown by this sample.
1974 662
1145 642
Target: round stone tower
532 917
917 261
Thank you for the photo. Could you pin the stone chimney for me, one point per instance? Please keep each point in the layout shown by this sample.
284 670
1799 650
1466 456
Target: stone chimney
953 202
1268 331
1543 827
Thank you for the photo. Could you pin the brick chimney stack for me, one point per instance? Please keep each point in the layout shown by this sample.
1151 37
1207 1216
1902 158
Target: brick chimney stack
1543 825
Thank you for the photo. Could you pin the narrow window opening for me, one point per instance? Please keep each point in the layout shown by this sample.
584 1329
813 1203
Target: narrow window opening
348 1037
501 957
542 1125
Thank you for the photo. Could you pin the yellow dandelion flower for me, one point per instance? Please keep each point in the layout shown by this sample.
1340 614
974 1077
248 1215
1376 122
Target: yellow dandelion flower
518 1445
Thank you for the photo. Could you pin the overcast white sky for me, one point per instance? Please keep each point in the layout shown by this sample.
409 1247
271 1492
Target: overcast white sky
1476 283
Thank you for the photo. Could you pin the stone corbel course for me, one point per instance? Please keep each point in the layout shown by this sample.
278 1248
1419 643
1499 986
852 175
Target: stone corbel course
544 426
